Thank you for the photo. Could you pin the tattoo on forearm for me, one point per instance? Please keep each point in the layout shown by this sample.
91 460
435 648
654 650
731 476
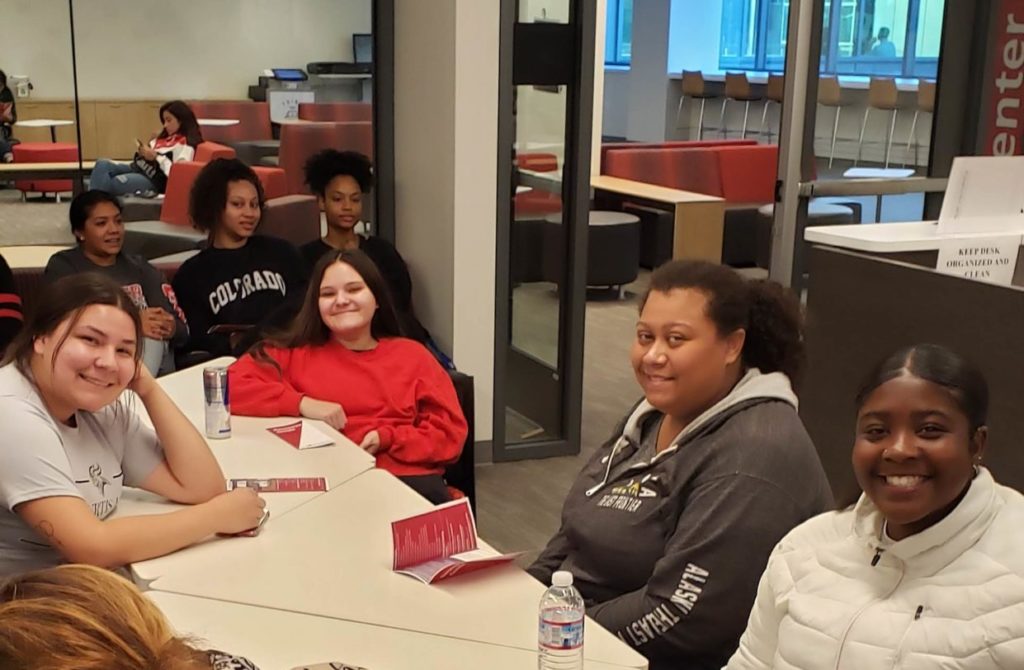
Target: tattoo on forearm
45 528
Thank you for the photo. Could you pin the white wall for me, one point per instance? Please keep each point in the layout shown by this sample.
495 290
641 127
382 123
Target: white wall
161 49
446 115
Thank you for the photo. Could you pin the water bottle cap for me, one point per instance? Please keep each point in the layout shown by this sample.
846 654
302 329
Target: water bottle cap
561 578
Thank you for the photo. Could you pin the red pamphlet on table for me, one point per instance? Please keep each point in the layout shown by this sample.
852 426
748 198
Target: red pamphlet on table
302 435
440 544
280 484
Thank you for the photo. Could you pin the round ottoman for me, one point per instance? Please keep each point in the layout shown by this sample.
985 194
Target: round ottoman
44 152
613 249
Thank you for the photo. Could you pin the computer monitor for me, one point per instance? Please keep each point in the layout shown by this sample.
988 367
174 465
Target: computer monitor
362 48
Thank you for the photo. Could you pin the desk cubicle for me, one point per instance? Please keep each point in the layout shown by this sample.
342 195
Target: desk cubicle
861 308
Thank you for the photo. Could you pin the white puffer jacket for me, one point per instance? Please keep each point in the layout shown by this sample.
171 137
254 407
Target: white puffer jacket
836 596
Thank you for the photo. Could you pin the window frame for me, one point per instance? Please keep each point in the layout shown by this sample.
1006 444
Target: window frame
909 65
613 35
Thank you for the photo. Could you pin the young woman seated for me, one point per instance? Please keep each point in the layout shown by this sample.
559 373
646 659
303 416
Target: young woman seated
926 570
669 524
241 280
340 180
343 361
71 443
96 224
147 173
87 618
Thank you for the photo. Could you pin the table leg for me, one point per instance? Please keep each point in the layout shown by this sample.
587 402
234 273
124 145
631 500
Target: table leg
878 208
53 134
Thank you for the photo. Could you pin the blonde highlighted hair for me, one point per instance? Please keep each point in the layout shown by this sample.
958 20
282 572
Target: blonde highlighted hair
87 618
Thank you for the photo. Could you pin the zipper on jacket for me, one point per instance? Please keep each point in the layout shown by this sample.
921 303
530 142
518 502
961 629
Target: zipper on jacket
865 606
899 648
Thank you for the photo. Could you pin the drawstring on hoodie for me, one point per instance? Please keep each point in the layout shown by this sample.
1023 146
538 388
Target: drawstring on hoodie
608 469
878 556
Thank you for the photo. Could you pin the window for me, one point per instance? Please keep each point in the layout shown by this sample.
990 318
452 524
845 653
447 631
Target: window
618 40
896 38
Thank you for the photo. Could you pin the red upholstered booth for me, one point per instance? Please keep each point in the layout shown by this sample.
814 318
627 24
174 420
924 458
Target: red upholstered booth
336 111
299 141
179 186
44 152
674 144
253 120
207 151
536 204
274 180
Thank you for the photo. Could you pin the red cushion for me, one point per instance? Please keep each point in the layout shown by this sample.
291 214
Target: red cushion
44 152
274 180
207 151
685 169
749 173
299 141
253 120
336 111
674 144
537 162
179 187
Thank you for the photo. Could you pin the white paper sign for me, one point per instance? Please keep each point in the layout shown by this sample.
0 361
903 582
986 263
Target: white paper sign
990 259
284 104
983 195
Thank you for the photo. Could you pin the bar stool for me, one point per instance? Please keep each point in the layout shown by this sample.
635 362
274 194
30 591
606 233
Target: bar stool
830 94
883 95
773 92
693 86
737 87
926 104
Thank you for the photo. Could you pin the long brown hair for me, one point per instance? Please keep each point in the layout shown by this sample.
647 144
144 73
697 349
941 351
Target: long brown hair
87 618
309 329
66 298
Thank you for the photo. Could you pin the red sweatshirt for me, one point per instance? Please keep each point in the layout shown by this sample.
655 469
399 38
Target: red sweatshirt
397 389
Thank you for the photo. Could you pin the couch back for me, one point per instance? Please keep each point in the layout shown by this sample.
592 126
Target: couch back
674 144
299 141
253 120
336 111
739 174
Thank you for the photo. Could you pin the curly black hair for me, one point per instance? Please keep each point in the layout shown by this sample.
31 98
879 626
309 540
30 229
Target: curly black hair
324 166
209 195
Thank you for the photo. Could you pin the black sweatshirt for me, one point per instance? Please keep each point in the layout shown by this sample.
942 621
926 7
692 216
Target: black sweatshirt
394 270
11 316
261 283
667 551
144 284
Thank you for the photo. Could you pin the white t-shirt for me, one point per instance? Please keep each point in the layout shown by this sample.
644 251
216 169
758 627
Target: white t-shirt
42 458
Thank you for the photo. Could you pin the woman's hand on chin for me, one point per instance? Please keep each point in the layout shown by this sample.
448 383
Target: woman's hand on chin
143 382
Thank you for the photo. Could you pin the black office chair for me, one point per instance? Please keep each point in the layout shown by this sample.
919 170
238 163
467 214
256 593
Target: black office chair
461 474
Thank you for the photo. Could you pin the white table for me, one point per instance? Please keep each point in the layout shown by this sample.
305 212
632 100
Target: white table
43 123
250 452
878 173
276 640
29 256
331 557
218 122
886 238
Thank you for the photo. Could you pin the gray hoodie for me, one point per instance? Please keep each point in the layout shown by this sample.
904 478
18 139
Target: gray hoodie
667 552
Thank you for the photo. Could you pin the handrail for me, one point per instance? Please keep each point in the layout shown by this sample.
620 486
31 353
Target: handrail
833 187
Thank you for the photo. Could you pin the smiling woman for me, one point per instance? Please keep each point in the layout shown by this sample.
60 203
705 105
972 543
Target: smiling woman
70 444
344 361
667 526
97 226
927 569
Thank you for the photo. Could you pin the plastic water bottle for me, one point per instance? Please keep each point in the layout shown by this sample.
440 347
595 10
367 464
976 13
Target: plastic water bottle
560 638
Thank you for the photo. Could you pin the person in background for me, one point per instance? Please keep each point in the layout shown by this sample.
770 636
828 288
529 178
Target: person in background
926 570
147 173
883 48
11 317
8 117
343 361
97 226
667 526
340 180
87 618
71 443
241 281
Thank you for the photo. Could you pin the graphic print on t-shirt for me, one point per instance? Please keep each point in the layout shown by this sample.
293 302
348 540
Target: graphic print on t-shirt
101 487
134 292
242 287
